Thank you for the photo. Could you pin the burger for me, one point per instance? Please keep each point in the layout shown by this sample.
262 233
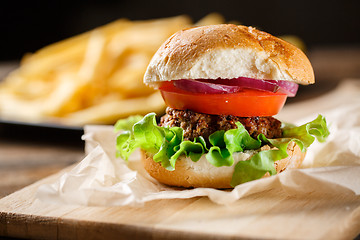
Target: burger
222 85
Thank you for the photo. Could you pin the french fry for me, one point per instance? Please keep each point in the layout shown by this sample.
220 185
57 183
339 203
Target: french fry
210 19
110 112
50 57
95 77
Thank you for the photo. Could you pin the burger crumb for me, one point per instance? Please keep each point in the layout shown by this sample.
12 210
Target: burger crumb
200 124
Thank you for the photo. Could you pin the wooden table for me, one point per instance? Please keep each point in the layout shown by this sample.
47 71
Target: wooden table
22 163
27 156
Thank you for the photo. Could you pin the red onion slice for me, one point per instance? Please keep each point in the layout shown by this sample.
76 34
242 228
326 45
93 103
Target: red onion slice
235 85
250 83
204 87
289 88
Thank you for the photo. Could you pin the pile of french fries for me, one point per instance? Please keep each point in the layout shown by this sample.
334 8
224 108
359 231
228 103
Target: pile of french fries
92 78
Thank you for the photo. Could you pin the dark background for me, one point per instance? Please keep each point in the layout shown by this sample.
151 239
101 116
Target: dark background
29 25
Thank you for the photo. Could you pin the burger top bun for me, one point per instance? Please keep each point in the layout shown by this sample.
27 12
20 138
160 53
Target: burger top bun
228 51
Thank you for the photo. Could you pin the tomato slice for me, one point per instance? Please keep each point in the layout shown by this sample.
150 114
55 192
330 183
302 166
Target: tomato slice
245 103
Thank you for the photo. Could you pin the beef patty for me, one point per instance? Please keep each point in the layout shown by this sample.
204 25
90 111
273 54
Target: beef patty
200 124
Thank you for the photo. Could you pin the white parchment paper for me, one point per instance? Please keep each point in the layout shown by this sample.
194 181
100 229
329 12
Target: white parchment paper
101 179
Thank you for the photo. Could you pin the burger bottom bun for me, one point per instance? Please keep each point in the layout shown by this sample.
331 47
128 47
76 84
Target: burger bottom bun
203 174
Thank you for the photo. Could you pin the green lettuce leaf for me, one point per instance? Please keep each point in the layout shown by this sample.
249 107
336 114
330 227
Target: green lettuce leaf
168 144
263 162
194 150
239 139
224 144
127 123
218 154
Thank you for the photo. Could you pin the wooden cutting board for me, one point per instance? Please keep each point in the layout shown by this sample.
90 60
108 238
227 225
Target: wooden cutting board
270 214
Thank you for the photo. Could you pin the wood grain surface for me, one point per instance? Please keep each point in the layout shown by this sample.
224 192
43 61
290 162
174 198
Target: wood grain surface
22 163
270 214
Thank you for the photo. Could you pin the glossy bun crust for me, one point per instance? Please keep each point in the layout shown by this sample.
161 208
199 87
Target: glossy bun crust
203 174
227 51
